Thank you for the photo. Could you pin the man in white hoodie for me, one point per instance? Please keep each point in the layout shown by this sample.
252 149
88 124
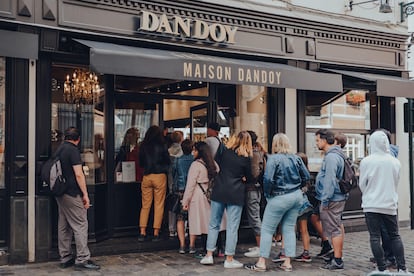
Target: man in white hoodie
378 181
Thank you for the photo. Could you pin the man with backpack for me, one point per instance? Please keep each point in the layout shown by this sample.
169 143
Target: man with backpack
216 147
73 206
331 198
213 139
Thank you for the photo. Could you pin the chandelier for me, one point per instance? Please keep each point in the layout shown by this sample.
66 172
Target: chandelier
82 88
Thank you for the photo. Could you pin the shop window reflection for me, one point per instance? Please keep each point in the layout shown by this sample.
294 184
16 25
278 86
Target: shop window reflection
131 125
2 116
88 118
243 107
348 113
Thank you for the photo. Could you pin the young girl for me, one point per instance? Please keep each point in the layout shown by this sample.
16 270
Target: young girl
180 169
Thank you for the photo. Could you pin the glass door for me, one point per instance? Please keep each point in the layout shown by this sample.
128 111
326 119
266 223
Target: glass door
198 118
131 123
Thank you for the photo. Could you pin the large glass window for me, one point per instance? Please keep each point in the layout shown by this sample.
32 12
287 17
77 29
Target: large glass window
177 117
131 123
88 117
243 107
348 113
2 116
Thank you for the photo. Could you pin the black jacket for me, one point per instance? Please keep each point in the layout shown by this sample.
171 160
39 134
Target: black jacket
229 188
154 158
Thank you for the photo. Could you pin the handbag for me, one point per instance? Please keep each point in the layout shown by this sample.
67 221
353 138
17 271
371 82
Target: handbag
173 203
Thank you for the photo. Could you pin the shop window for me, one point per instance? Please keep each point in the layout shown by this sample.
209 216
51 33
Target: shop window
348 113
131 123
87 115
2 116
177 117
243 107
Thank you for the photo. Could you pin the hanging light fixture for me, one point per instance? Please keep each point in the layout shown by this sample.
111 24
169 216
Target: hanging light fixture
82 88
384 5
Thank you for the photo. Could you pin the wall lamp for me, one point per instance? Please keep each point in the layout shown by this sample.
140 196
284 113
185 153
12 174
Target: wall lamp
384 7
406 10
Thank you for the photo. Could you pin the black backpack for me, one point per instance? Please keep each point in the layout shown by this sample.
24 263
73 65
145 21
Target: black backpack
349 178
219 153
52 175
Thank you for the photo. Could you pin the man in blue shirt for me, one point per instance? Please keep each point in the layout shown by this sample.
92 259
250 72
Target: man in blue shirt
331 198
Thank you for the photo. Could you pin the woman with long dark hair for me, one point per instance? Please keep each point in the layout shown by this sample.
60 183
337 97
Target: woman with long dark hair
202 170
154 158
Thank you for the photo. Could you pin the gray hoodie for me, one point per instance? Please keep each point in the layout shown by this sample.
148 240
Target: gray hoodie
379 176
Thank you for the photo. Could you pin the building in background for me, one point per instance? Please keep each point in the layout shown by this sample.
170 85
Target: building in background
108 65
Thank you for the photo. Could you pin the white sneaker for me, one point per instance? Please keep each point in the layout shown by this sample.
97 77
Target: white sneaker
377 273
233 264
253 248
406 272
207 260
255 253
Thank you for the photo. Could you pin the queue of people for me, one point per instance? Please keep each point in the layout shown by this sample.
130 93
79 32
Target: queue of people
214 182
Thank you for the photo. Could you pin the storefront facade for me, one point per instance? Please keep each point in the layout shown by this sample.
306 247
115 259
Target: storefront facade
178 65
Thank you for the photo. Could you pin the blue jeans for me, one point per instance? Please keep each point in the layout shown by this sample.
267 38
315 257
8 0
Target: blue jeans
232 227
281 209
253 210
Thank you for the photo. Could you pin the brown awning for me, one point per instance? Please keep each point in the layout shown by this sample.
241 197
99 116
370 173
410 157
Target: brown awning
389 86
116 59
19 45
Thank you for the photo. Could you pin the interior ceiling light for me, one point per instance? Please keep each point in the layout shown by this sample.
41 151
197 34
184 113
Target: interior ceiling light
82 88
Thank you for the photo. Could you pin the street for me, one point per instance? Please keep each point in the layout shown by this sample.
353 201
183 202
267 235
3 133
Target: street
356 257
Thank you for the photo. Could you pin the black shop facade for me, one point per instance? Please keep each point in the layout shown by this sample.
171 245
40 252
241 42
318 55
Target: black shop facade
178 66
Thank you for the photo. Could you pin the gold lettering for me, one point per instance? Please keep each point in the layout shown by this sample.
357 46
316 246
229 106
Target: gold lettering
164 26
256 76
182 26
204 70
241 74
186 27
231 33
227 73
217 32
201 30
211 71
271 77
149 21
188 69
264 76
197 71
219 72
248 75
278 76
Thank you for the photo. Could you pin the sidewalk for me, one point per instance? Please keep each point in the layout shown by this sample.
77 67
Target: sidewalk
356 258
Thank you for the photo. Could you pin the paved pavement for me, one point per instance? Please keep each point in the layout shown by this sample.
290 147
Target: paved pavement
356 258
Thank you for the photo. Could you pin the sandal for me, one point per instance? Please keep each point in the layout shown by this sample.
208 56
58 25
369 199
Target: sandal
254 267
285 268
